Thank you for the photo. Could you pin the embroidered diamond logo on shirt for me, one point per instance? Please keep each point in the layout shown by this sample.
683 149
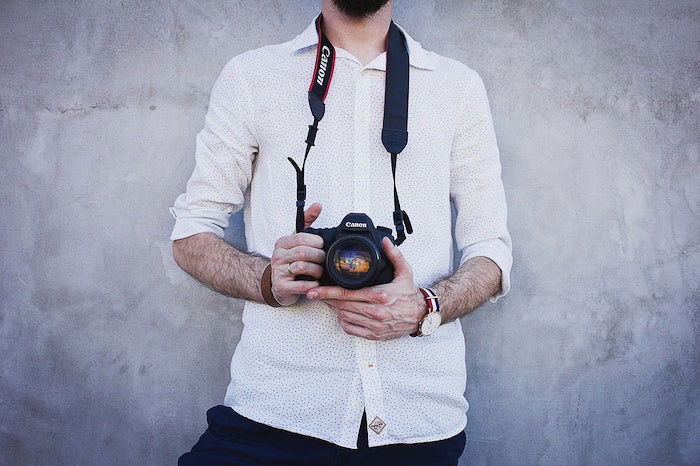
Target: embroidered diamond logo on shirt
377 424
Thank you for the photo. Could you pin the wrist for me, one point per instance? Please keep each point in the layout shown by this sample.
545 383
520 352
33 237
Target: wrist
431 317
422 306
423 309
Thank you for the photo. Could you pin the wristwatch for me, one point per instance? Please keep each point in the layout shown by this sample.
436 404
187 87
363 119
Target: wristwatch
432 320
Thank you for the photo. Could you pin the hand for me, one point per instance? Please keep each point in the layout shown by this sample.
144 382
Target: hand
379 312
297 254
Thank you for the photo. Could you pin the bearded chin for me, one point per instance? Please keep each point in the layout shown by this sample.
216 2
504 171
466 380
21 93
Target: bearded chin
359 8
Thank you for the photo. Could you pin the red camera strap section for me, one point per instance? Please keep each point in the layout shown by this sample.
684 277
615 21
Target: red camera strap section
323 73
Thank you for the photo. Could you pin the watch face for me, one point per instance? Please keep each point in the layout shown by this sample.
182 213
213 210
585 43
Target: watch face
430 323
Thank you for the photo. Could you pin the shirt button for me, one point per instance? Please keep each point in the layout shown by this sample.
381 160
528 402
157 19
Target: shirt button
355 404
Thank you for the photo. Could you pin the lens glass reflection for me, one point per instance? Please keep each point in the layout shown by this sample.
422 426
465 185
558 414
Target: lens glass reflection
352 260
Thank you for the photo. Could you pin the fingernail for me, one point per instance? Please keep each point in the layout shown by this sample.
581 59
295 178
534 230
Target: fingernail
312 294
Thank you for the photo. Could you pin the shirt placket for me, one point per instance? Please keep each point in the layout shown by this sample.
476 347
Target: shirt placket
361 122
366 360
366 350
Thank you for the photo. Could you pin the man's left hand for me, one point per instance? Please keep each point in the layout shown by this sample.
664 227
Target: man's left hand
379 312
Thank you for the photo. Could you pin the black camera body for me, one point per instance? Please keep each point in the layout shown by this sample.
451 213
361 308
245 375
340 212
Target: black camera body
354 254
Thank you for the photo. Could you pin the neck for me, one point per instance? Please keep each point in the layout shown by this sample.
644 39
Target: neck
365 38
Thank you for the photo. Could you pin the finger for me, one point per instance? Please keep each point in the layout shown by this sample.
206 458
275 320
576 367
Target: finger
373 312
299 239
294 286
303 253
306 268
360 319
311 214
357 330
369 294
401 267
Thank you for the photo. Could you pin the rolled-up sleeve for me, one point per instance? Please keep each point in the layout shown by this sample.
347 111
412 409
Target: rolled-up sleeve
476 188
224 154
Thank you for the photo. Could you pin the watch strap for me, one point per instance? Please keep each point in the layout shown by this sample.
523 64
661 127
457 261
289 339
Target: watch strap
431 298
266 287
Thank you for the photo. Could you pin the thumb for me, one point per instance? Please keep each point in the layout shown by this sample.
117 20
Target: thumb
401 267
311 214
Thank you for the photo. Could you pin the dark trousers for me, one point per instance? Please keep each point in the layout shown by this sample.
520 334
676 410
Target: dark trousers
232 439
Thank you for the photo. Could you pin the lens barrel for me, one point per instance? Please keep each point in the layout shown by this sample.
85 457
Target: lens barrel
352 261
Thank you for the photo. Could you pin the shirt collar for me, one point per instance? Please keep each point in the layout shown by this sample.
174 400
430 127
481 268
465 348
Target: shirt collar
417 56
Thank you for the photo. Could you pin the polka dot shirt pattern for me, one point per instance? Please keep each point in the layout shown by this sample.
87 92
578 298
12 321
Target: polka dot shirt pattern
294 367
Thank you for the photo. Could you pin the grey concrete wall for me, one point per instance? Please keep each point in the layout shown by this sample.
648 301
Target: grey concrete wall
111 354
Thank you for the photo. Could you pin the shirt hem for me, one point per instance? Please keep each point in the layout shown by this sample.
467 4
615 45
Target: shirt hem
274 422
432 438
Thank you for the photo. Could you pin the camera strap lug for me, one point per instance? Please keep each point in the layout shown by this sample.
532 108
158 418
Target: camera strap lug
401 220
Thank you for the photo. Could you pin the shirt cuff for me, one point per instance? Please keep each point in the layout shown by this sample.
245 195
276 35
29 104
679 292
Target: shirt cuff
498 252
189 222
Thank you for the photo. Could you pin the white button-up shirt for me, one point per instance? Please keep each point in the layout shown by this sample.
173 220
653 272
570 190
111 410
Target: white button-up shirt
294 367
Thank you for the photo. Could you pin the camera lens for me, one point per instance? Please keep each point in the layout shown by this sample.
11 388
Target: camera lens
351 261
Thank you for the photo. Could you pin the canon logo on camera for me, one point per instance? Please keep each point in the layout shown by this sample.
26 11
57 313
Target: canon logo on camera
355 225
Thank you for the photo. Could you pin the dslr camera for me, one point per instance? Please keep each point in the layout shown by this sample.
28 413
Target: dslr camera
354 254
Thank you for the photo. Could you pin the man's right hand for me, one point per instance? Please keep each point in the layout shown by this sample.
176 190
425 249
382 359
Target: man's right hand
297 254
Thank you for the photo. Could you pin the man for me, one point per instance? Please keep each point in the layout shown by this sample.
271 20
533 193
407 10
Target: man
324 374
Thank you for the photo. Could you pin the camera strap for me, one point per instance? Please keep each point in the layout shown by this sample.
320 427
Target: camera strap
394 130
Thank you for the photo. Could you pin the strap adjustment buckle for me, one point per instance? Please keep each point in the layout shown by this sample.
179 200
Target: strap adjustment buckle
311 135
402 223
398 220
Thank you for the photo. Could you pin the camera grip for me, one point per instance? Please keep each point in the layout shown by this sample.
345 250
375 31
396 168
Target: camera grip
307 278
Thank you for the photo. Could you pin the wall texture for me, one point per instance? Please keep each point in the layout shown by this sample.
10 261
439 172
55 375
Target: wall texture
111 354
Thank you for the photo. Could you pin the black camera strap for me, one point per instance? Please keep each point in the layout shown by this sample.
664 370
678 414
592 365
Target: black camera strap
394 131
